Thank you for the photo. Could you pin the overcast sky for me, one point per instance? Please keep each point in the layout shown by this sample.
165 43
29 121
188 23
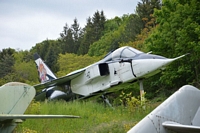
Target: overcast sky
23 23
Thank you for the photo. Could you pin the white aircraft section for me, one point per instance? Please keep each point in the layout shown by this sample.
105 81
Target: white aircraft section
180 113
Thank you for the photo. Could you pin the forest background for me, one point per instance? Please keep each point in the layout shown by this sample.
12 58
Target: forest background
169 28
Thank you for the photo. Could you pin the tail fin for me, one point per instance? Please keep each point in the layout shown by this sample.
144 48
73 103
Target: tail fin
15 97
44 72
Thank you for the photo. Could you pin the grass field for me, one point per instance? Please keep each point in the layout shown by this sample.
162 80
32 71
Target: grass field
95 118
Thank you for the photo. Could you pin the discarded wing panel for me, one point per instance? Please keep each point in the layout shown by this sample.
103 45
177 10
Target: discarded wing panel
180 113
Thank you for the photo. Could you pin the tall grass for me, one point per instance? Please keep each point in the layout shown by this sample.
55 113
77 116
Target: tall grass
95 117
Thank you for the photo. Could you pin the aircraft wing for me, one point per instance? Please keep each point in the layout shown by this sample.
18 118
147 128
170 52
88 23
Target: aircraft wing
176 127
62 80
16 116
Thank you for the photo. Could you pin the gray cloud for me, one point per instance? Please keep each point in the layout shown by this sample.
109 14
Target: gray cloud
27 22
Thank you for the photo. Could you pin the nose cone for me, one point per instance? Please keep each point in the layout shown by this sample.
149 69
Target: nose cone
166 62
150 67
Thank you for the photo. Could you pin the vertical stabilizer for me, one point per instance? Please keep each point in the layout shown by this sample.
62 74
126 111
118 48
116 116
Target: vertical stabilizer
15 97
44 72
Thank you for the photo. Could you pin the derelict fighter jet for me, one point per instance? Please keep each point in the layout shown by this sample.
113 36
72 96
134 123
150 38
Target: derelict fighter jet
125 64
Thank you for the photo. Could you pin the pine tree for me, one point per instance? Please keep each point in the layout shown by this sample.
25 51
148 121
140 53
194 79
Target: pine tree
76 31
6 61
145 9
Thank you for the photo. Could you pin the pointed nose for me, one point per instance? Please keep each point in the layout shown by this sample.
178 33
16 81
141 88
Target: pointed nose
166 62
149 67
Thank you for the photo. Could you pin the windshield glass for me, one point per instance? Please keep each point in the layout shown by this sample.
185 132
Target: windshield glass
125 52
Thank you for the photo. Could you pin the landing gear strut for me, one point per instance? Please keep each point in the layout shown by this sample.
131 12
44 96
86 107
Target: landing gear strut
141 91
105 99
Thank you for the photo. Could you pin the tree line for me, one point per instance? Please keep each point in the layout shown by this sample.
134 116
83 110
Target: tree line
169 28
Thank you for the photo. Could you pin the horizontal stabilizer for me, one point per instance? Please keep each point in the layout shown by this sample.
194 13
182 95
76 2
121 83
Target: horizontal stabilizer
16 116
176 127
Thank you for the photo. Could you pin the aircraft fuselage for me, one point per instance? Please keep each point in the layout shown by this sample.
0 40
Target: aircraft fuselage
100 77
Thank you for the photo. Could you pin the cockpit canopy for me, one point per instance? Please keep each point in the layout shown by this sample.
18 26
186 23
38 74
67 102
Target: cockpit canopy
123 52
127 52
